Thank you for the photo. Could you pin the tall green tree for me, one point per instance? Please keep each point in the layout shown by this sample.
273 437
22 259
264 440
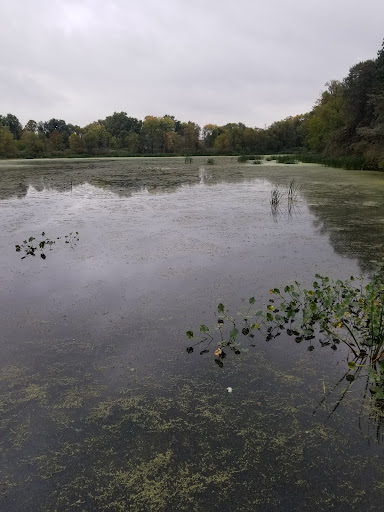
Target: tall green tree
327 117
7 142
13 124
132 143
359 85
210 132
190 137
76 143
31 145
119 125
96 138
286 134
157 134
31 126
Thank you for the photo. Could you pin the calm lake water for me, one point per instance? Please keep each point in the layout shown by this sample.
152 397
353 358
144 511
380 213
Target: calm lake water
101 408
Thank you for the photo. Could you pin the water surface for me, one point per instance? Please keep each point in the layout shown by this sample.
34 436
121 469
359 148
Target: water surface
101 406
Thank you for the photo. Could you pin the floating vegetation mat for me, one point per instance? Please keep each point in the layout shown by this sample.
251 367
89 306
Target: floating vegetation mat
70 441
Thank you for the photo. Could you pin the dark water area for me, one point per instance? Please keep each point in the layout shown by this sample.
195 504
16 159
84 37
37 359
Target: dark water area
101 406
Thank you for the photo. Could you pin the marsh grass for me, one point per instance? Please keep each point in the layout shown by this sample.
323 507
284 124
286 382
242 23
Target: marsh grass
352 163
286 159
283 159
293 191
211 161
277 195
247 158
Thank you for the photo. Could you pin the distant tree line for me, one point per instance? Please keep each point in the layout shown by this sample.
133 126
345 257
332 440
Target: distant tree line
347 120
120 134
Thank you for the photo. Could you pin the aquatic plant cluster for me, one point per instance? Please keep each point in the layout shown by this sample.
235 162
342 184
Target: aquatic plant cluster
333 313
257 159
32 246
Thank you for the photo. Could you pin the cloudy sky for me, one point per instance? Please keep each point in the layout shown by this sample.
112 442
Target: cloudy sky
250 61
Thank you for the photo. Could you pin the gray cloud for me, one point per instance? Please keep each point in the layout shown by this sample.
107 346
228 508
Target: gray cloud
208 61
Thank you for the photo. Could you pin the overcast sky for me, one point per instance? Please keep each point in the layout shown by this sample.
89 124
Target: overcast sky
218 61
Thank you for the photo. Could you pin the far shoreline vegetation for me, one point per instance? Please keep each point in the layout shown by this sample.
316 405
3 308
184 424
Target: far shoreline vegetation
344 129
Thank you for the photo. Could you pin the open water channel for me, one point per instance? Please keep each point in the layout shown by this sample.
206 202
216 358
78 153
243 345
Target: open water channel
101 407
